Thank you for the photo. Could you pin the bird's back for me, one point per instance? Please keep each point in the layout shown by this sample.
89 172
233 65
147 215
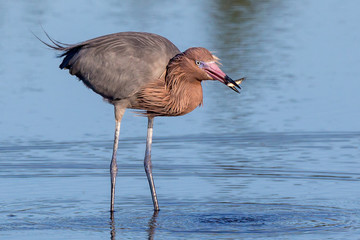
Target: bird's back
118 65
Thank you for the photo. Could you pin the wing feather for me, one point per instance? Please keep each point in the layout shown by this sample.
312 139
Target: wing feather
118 65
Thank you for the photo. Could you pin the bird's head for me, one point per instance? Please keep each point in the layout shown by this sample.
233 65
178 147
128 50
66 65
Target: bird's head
206 65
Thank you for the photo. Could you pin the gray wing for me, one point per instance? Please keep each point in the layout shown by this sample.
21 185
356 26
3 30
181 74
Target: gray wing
118 65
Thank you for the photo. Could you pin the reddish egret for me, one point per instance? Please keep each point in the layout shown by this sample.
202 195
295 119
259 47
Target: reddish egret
142 71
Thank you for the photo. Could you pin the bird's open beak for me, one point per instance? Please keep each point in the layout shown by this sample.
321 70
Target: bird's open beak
213 70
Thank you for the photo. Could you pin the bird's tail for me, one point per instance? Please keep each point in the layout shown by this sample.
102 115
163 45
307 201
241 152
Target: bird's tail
56 45
67 50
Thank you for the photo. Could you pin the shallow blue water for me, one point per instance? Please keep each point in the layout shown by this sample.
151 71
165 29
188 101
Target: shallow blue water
278 161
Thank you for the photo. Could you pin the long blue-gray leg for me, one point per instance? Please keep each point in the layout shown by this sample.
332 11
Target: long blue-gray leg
148 165
119 112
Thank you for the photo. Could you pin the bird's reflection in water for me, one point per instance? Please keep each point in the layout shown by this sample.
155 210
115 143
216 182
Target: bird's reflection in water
151 226
112 226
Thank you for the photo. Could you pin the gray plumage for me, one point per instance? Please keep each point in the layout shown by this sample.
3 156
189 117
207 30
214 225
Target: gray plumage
116 66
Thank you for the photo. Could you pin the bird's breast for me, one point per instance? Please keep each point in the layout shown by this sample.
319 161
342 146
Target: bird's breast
190 98
158 100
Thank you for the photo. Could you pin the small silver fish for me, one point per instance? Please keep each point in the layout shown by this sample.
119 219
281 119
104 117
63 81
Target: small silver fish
237 82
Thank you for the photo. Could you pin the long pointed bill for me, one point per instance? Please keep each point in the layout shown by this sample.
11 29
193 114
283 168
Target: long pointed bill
215 72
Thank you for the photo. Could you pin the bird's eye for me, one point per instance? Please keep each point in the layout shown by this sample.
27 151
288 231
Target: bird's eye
198 62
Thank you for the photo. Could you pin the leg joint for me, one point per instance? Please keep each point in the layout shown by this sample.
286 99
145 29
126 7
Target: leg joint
113 167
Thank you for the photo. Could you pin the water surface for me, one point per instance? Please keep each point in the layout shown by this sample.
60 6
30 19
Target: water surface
278 161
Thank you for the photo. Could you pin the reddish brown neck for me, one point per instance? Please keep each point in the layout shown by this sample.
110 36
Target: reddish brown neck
175 94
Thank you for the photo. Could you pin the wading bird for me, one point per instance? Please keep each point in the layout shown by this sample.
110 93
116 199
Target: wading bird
142 71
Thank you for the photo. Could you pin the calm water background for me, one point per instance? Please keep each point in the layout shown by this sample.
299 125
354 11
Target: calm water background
279 161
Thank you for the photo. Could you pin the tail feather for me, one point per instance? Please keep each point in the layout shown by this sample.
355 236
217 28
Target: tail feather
56 44
68 50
